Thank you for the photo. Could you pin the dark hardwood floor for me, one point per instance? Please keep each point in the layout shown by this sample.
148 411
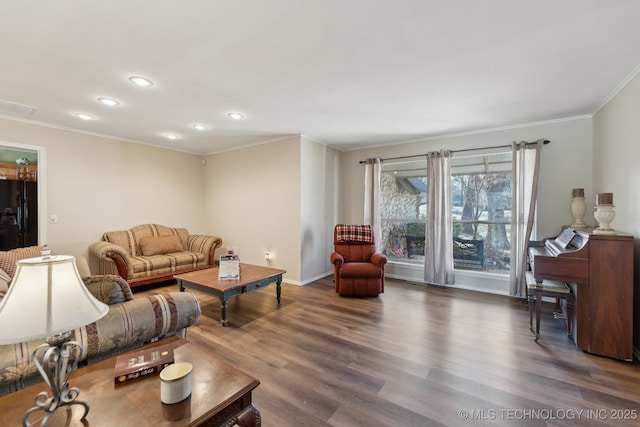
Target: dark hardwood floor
415 356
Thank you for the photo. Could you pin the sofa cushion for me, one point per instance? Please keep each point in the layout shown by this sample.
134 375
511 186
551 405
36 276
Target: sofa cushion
160 264
361 269
8 259
160 245
130 239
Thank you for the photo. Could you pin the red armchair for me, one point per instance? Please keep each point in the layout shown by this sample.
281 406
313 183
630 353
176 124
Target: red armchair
358 267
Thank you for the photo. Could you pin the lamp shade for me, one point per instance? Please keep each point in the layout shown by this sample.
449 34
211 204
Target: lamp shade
46 297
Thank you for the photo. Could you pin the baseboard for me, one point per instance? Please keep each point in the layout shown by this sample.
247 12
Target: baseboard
414 281
636 353
318 277
307 281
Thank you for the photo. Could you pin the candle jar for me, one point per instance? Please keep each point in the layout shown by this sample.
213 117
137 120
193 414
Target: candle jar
604 199
175 382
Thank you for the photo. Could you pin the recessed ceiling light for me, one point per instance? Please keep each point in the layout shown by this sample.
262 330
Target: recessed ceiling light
199 126
108 101
236 116
171 136
140 81
84 116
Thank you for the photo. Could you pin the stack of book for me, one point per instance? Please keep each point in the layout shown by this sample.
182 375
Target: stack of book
142 363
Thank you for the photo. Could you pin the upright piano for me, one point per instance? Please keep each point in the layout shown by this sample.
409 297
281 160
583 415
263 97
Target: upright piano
599 270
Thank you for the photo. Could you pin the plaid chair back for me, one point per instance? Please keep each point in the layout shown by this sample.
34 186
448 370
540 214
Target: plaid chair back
354 242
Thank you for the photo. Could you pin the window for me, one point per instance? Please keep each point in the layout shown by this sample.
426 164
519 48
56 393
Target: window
403 210
481 211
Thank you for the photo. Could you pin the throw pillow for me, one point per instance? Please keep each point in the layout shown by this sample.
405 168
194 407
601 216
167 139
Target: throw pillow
83 266
4 282
160 245
8 259
110 289
354 233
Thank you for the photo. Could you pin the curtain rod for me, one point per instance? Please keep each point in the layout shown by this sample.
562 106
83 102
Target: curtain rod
546 141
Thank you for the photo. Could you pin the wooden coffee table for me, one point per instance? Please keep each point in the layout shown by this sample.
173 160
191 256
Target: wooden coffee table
220 394
252 278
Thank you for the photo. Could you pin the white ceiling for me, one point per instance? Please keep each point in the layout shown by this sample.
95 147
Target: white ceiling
348 73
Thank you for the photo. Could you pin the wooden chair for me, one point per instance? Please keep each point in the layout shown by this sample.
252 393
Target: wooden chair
547 288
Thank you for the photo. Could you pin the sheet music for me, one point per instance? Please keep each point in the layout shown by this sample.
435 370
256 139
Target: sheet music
565 237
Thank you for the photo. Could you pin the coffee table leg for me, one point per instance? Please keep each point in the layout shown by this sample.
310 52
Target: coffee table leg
223 319
278 289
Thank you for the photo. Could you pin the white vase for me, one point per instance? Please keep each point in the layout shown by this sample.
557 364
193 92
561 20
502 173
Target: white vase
604 214
578 208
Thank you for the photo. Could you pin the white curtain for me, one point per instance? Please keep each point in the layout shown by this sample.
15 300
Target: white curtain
438 259
372 173
526 167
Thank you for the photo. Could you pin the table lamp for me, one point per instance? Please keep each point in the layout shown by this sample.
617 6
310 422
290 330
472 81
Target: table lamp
47 299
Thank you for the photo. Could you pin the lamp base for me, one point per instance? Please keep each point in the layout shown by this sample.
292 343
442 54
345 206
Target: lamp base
59 360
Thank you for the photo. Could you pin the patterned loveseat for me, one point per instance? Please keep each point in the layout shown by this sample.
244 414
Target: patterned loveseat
151 253
128 324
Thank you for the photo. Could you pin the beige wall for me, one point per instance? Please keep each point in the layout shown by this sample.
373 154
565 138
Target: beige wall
277 197
617 170
566 163
96 184
252 200
319 200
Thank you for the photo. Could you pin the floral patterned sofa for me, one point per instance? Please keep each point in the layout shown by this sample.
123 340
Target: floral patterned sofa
150 253
129 323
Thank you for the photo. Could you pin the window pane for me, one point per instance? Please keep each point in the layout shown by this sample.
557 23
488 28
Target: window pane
403 210
481 198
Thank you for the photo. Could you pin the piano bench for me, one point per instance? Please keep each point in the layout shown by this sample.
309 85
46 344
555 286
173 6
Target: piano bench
546 288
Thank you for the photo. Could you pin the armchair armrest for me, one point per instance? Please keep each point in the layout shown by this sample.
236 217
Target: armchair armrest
379 259
204 244
336 259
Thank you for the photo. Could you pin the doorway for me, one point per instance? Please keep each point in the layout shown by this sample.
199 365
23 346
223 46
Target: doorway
20 201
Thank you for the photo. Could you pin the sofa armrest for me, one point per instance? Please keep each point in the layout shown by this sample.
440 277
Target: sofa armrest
133 323
112 259
126 326
101 249
109 288
204 244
